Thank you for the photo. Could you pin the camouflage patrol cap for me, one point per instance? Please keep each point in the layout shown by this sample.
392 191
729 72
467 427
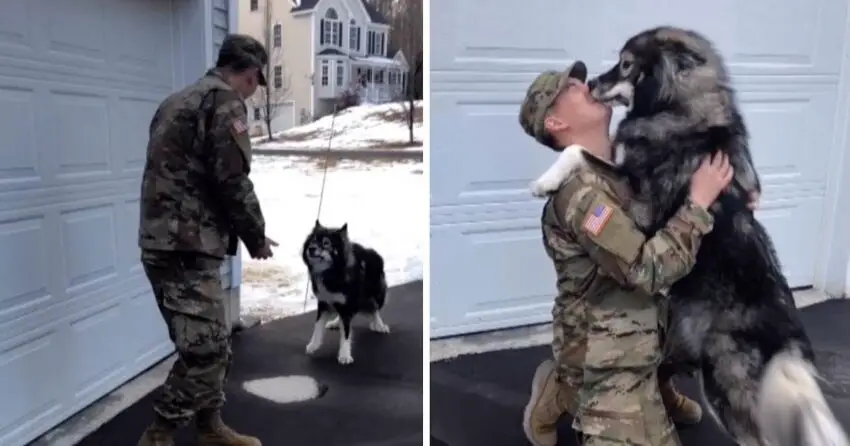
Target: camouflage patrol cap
542 93
245 50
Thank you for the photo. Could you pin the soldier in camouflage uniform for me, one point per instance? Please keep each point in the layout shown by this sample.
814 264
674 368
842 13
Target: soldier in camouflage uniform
608 315
196 203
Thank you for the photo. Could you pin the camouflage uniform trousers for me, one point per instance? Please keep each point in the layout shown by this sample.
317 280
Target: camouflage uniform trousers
609 347
188 292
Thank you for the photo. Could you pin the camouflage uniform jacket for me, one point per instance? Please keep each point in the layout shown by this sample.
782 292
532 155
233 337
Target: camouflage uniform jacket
196 194
597 248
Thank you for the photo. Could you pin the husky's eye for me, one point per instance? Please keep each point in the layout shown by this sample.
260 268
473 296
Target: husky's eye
326 244
625 66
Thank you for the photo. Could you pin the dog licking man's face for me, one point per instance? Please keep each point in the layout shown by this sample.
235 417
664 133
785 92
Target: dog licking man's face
575 111
617 85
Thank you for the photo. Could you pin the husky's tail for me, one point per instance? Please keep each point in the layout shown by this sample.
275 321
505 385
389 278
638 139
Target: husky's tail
791 408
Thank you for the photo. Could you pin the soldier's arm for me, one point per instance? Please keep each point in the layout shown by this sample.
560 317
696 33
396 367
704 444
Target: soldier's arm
230 146
622 250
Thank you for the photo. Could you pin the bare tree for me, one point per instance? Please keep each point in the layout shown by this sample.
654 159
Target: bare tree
270 99
412 94
407 36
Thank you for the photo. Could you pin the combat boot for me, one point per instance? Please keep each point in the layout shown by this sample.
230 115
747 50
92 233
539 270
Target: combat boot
160 433
681 409
213 432
550 400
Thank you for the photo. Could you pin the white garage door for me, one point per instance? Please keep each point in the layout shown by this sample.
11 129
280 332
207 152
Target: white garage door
284 117
79 81
488 267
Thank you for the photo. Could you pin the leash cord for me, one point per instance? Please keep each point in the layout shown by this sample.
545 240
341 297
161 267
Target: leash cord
321 197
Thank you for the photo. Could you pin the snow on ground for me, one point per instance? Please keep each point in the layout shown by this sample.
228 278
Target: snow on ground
382 201
360 127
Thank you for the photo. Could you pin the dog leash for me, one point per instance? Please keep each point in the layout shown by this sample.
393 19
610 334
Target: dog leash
321 196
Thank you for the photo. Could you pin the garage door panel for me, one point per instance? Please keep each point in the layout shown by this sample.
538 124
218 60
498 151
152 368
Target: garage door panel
128 234
18 160
96 359
496 276
790 223
783 156
89 247
497 165
24 276
477 35
130 131
769 48
20 357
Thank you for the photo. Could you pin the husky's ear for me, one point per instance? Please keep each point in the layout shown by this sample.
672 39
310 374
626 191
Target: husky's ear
666 72
344 229
317 225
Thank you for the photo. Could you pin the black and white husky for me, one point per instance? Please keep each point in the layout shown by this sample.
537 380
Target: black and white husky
347 279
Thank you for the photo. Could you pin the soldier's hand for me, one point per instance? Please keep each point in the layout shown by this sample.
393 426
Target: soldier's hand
710 179
754 200
265 251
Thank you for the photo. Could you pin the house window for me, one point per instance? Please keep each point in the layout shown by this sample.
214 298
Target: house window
277 36
278 76
331 29
324 73
340 73
256 113
354 36
255 5
379 76
375 43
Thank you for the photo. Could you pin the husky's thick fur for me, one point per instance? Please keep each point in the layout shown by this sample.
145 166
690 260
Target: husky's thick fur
733 323
347 279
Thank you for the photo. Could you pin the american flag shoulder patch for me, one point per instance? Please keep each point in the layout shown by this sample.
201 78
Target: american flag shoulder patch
597 218
239 127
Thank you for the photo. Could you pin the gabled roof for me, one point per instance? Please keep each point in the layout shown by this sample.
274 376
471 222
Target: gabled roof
374 15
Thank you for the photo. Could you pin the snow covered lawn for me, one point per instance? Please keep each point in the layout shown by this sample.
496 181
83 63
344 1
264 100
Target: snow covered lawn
382 201
356 128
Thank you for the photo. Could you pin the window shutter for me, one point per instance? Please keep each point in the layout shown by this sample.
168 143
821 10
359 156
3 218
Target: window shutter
358 39
321 32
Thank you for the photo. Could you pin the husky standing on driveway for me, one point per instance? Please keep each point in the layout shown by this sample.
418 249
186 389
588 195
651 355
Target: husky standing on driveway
733 318
347 279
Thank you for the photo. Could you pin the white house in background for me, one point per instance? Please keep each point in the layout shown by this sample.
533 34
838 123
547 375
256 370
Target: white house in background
488 268
321 49
79 83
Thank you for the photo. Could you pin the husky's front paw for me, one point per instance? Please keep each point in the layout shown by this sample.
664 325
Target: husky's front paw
344 356
545 185
312 347
378 326
333 324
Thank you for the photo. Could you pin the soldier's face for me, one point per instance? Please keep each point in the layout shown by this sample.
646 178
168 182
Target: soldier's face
246 82
575 110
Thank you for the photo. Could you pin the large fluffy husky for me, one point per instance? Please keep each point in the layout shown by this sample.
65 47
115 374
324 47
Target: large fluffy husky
347 279
733 319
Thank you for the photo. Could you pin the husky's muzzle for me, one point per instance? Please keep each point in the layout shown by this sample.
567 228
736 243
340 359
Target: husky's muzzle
319 258
609 88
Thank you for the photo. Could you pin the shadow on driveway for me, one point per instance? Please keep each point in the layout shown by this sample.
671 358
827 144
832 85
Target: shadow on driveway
375 401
